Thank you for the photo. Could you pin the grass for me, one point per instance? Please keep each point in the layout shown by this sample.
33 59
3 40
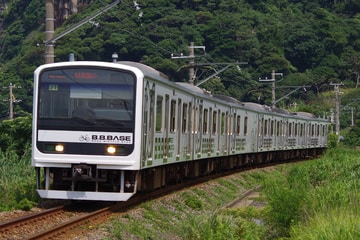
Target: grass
17 181
316 199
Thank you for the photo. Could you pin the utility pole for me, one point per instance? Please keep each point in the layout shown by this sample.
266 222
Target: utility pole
337 108
50 39
12 100
272 80
191 62
49 31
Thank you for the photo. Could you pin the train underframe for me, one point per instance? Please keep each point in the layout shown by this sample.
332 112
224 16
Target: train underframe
86 182
154 178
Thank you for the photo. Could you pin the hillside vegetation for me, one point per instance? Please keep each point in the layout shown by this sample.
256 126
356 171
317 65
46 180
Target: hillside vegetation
312 43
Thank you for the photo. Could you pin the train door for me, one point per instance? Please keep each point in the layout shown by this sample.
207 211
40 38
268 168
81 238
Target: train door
166 128
217 117
145 123
185 139
148 122
196 127
302 135
279 142
272 132
179 128
260 135
209 131
285 132
199 130
224 132
206 143
190 133
233 131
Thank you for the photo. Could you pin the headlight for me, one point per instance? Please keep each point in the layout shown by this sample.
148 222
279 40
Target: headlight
59 148
111 149
115 150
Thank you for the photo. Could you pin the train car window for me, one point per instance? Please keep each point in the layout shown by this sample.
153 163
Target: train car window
238 119
172 115
266 124
210 115
230 124
159 110
179 116
184 117
260 126
312 130
195 119
223 123
245 126
214 122
290 129
278 128
233 124
318 130
200 124
166 113
205 121
296 130
272 128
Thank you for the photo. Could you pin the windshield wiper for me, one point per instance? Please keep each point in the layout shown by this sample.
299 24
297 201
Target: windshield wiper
84 121
112 122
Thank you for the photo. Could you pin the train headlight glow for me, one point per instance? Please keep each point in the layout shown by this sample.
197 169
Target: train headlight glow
59 148
111 149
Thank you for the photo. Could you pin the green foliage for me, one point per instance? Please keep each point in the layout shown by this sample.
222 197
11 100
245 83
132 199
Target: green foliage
285 196
332 140
216 226
17 178
16 135
316 38
317 199
193 202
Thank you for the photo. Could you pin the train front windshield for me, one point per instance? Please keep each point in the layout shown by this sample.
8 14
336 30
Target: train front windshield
86 97
81 106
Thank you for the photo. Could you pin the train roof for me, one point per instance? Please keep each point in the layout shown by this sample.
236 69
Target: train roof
153 73
304 114
147 70
255 106
193 88
228 99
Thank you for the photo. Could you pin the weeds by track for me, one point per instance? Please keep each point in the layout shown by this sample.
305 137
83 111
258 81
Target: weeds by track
61 222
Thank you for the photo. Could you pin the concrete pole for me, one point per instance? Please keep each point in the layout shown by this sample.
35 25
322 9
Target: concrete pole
11 100
191 64
273 89
49 31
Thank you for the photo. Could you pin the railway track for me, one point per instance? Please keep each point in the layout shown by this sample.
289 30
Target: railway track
67 222
64 222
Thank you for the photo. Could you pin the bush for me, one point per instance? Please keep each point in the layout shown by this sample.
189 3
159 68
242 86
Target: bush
332 140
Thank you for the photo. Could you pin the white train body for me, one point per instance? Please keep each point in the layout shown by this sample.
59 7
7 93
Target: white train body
142 127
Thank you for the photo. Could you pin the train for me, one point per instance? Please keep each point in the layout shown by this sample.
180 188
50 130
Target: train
105 131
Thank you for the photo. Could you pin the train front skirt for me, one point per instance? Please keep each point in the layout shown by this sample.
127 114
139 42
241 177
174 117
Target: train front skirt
82 195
